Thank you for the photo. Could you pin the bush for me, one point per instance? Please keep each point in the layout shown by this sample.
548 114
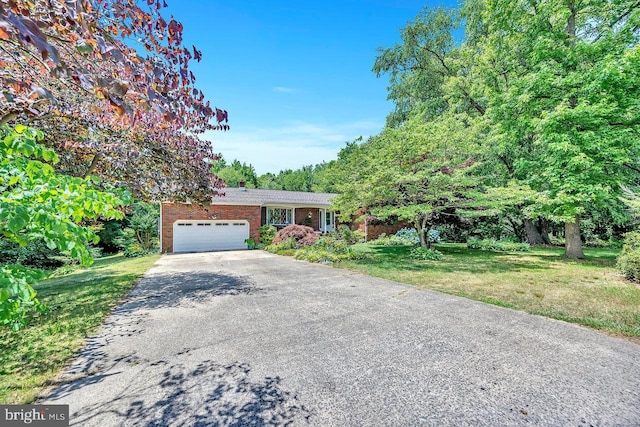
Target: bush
425 254
110 234
403 237
497 245
629 258
267 233
348 235
323 255
391 240
410 235
35 254
303 235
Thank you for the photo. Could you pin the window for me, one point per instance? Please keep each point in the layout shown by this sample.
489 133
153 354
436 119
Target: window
279 216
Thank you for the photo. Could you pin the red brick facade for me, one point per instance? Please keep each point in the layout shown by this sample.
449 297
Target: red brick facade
181 211
375 230
313 215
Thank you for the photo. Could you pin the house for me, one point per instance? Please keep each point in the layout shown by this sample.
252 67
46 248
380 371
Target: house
240 212
237 215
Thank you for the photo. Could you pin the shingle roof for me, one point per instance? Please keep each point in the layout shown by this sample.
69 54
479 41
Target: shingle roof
254 196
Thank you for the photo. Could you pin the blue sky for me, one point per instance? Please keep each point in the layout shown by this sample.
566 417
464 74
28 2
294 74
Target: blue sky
295 76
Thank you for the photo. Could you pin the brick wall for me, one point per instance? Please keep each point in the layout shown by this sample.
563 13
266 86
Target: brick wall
303 213
375 230
181 211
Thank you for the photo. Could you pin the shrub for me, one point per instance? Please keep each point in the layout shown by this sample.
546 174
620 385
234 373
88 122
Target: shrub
409 235
629 258
497 245
391 240
303 235
267 233
348 235
35 254
425 254
322 255
110 234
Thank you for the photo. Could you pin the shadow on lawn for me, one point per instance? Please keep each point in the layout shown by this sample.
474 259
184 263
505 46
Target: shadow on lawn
205 394
459 259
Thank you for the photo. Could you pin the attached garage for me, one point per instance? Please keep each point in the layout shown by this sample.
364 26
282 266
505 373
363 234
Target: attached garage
202 236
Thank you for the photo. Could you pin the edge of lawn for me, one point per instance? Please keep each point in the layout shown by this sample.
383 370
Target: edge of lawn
78 303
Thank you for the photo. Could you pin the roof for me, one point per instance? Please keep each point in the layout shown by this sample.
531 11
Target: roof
261 197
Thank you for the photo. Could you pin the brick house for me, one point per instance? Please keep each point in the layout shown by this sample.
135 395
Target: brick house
239 214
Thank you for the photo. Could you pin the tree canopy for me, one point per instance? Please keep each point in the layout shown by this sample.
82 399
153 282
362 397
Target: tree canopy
553 87
108 81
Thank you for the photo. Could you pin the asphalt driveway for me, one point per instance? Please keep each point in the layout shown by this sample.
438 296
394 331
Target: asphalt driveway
249 338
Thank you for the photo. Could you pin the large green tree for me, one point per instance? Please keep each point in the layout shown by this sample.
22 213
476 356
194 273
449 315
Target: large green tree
566 85
419 172
36 203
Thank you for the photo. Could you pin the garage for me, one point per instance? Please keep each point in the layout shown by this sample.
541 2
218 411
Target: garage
201 236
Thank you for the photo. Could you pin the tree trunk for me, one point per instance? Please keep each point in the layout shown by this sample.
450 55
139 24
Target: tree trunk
543 229
533 235
420 227
573 240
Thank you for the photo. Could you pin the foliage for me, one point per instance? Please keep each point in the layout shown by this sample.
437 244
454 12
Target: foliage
251 244
287 244
325 256
409 235
391 240
144 222
412 173
349 236
34 254
235 172
140 233
128 113
552 105
302 235
38 204
425 254
629 258
497 245
267 234
77 304
110 234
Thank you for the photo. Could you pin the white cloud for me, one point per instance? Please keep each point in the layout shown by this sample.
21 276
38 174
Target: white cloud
283 89
290 146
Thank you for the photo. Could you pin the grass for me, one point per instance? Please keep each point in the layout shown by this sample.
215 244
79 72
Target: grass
589 292
78 303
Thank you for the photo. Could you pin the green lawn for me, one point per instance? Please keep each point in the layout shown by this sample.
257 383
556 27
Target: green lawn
589 292
77 305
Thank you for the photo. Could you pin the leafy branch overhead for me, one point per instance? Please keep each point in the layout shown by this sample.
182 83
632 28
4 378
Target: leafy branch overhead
105 79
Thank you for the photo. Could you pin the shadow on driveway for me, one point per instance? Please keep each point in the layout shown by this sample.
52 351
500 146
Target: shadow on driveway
207 394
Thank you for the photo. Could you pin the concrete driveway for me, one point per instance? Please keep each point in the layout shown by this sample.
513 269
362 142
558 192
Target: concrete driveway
249 338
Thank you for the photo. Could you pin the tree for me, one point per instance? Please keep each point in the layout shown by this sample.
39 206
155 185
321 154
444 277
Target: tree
418 172
555 84
130 115
570 90
38 204
235 172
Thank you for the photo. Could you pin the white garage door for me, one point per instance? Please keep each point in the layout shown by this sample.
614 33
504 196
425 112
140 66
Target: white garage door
202 236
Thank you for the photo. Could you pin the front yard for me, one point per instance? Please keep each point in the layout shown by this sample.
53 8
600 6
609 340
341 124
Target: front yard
589 292
77 305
